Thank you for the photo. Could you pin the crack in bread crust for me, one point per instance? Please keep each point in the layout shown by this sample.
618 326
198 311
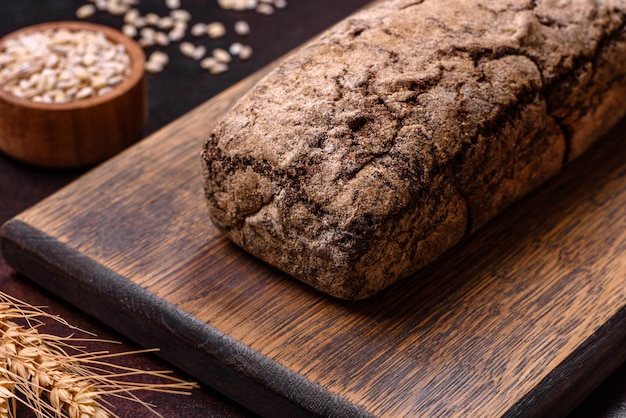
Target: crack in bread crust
405 127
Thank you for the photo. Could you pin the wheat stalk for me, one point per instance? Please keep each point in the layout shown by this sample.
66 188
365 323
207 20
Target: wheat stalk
55 377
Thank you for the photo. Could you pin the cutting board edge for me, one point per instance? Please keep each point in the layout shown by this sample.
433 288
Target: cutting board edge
267 392
590 364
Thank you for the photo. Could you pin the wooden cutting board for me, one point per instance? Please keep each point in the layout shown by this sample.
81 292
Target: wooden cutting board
525 317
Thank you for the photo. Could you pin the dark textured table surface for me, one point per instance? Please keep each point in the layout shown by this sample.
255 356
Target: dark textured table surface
172 93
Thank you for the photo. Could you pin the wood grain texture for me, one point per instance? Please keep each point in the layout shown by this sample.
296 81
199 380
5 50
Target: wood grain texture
78 133
524 317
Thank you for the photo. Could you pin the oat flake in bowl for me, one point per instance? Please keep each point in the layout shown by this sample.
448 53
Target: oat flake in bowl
72 94
58 65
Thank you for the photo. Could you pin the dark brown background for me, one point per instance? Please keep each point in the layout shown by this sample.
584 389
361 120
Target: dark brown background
180 88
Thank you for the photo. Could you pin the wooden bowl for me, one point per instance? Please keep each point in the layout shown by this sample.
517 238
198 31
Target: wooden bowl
82 132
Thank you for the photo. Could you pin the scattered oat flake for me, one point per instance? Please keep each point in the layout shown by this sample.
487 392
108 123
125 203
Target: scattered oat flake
85 11
222 55
198 29
215 30
265 8
245 53
187 48
242 28
159 31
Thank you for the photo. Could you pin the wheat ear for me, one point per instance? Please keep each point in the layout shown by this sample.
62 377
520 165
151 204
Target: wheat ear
35 367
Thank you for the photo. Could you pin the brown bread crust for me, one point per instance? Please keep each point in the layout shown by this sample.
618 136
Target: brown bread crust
410 124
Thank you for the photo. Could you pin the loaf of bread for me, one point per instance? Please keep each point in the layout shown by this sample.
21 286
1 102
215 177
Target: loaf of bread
382 143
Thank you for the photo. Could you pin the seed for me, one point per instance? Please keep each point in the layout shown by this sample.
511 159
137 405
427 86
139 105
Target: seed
63 84
64 74
198 29
35 79
280 4
147 37
218 68
116 9
237 4
115 80
104 91
172 4
147 32
102 4
178 32
85 11
24 84
222 55
213 66
90 59
235 48
161 38
165 22
199 52
190 50
265 9
146 42
152 19
245 53
242 28
154 67
50 82
176 35
159 57
208 62
82 93
180 25
80 72
98 82
129 30
131 16
215 30
5 59
187 49
180 14
140 22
